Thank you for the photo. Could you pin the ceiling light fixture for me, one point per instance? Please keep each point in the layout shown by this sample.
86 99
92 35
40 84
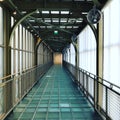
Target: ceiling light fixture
45 12
55 32
64 12
23 12
37 12
54 12
32 20
84 13
14 13
28 27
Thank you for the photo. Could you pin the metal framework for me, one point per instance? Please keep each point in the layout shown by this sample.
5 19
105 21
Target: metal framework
25 81
91 85
68 17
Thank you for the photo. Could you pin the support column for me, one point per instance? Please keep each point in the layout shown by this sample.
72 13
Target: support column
69 55
76 46
7 61
76 54
43 54
100 55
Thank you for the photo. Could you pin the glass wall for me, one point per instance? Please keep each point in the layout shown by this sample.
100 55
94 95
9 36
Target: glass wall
22 53
40 59
44 54
1 58
112 52
112 41
69 55
66 55
87 50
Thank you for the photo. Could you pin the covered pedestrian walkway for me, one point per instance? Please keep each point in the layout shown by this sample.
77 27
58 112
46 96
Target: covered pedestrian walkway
54 97
59 59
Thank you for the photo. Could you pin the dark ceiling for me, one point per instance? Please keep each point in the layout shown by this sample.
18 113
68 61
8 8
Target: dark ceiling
65 16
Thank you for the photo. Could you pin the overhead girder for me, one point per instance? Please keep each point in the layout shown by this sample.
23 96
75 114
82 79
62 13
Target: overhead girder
60 40
56 27
18 22
71 15
51 33
57 23
80 5
75 12
99 2
56 41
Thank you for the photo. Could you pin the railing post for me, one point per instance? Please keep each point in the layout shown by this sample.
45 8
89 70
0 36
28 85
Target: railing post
106 102
86 85
99 55
96 92
13 89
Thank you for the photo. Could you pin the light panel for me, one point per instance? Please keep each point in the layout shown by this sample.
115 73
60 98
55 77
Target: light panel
45 12
65 12
54 12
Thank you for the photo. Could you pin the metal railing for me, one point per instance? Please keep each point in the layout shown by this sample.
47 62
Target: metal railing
103 95
18 85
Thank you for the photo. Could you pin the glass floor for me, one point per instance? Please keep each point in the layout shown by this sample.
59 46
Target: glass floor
54 97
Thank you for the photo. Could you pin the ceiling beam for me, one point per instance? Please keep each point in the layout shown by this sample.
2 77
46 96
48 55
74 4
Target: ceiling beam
63 5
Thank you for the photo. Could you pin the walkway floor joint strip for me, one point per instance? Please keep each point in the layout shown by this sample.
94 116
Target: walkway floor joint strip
54 97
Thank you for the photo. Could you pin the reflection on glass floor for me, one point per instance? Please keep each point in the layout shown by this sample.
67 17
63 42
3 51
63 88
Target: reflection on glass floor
55 97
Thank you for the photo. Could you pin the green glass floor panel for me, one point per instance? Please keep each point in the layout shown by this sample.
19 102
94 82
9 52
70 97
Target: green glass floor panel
54 97
65 109
53 105
19 109
15 115
53 115
40 115
26 115
30 110
42 109
65 115
78 115
43 105
76 109
56 109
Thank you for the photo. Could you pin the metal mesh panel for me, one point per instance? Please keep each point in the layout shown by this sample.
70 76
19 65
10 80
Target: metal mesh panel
1 100
81 78
91 86
104 99
85 81
54 97
18 85
101 93
113 105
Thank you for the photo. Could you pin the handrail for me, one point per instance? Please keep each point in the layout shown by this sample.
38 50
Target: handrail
18 74
95 76
19 85
2 78
103 95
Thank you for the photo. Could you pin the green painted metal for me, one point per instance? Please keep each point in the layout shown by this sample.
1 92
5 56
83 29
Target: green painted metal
53 26
54 97
18 23
96 2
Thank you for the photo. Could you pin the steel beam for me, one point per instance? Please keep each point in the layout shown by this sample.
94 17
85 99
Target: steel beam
63 5
17 23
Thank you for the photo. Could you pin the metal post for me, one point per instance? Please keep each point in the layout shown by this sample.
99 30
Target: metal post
106 90
100 52
7 61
